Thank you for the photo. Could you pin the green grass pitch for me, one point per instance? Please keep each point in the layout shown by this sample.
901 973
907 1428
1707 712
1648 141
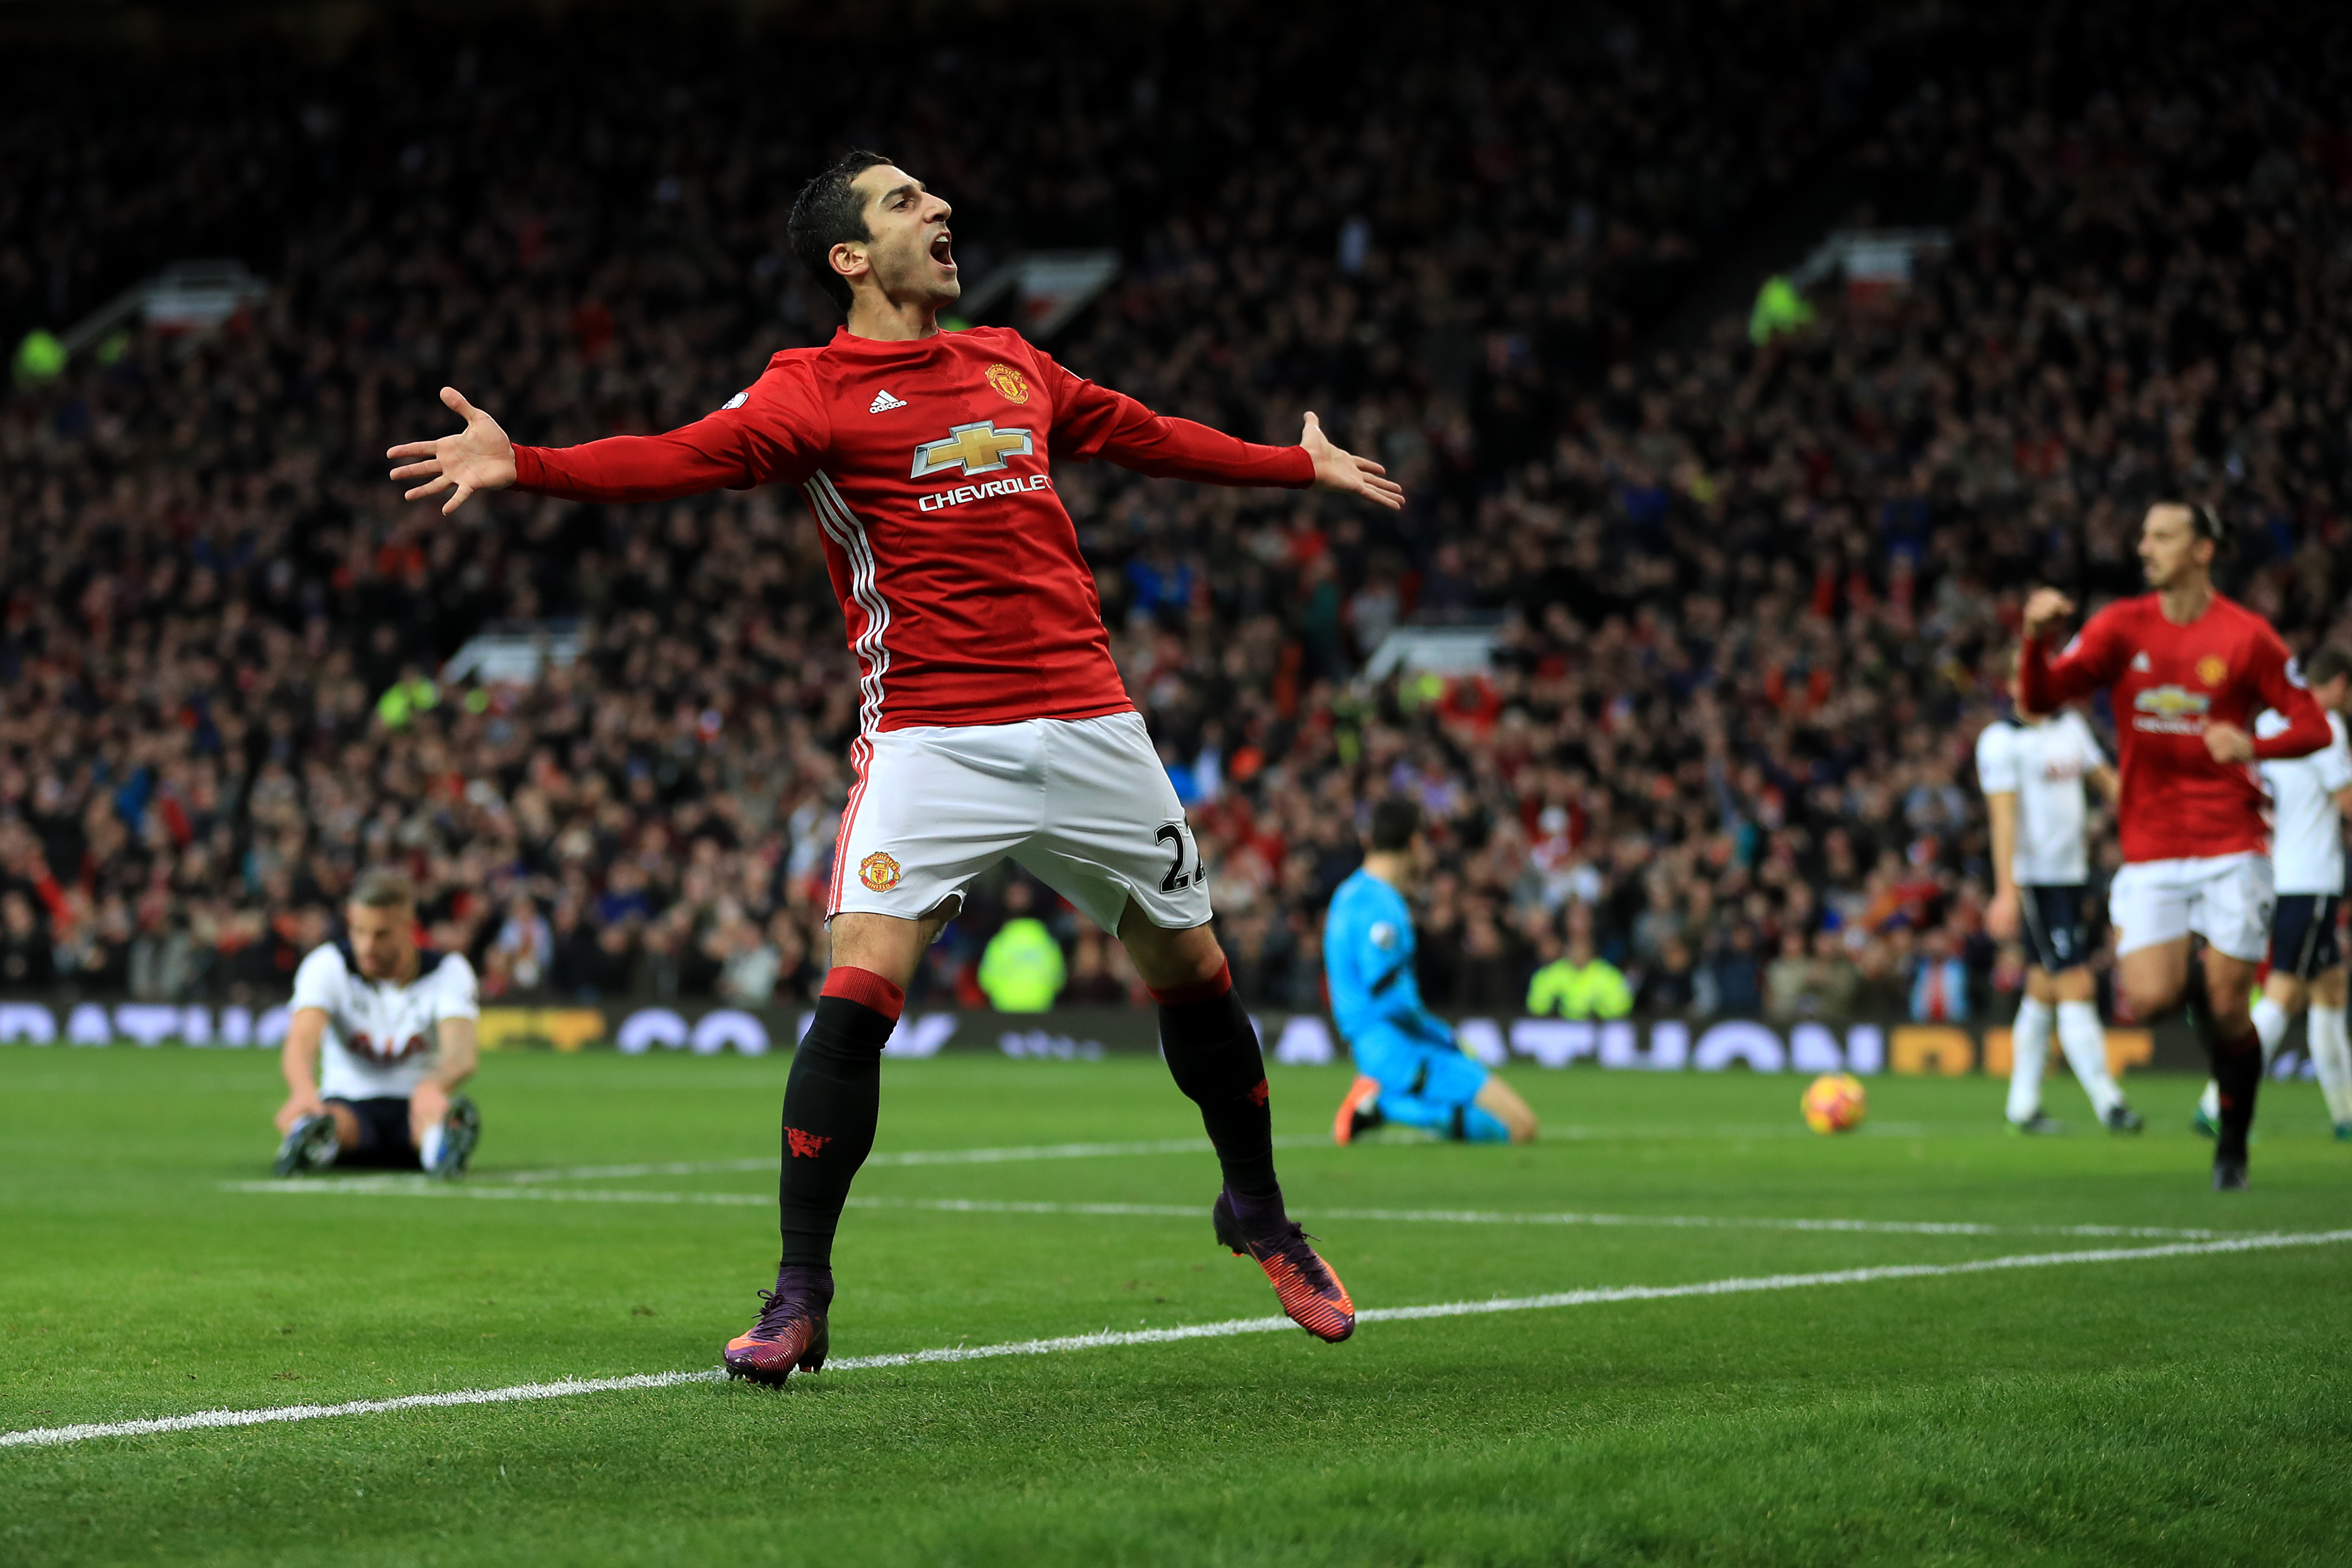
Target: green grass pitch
2186 1409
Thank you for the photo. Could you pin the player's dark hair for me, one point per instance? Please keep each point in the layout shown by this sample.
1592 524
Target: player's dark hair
827 212
2205 523
2327 664
1394 822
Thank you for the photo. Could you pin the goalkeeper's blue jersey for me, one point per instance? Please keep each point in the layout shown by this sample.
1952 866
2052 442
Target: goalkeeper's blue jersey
1368 947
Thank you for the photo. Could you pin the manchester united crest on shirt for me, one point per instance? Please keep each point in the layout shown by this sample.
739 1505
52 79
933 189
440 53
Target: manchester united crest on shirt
1009 383
2212 670
878 871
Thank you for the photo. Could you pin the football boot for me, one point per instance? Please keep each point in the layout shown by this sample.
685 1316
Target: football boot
790 1331
449 1147
1309 1291
1359 1110
312 1145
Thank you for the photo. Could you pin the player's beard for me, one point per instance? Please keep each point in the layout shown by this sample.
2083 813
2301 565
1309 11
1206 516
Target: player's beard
919 275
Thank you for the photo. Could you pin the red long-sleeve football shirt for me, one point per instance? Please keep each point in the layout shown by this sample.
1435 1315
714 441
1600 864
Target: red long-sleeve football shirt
927 465
2169 682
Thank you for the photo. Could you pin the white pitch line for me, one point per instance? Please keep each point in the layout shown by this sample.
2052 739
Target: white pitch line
419 1187
47 1437
204 1420
902 1157
1152 1147
1761 1222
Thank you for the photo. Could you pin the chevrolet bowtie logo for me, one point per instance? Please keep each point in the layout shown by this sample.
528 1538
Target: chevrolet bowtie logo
2172 700
976 448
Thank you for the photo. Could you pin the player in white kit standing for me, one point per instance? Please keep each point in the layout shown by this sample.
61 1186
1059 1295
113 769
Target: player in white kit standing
381 1037
2310 797
2031 769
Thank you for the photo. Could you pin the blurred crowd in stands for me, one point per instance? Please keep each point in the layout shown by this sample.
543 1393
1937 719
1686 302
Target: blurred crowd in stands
1750 597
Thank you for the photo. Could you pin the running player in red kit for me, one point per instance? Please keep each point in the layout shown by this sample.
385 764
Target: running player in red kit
993 721
2189 670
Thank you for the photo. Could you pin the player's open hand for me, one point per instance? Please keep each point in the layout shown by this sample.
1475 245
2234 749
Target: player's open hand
2044 608
1348 474
2229 745
479 457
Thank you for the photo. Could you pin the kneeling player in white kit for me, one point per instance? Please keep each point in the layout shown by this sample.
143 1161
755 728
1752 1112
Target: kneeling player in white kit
2031 771
394 1026
2310 797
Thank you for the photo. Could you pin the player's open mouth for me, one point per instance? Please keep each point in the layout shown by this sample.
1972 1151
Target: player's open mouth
942 249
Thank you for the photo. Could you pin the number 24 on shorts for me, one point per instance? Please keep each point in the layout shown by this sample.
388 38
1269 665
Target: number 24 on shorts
1178 878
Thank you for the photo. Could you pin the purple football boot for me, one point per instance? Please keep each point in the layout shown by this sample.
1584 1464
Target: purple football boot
790 1332
1304 1283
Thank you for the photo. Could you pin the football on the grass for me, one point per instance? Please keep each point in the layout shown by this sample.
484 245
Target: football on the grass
1835 1102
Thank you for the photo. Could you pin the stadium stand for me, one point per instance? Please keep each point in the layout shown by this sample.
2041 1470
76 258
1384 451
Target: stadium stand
1745 594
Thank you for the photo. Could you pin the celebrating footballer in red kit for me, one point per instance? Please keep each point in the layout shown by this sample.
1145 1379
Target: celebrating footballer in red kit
2189 670
992 720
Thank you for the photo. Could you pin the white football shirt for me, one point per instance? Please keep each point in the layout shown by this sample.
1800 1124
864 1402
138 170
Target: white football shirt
381 1036
2042 764
2306 833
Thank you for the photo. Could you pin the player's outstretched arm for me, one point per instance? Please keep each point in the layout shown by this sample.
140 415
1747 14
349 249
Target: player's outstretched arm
1348 474
479 457
1091 421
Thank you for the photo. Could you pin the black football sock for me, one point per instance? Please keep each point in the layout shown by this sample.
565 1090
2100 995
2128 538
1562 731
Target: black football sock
831 1103
2237 1076
1212 1055
2237 1064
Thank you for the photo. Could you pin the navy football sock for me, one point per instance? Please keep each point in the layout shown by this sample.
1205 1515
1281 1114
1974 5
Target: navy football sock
1212 1055
831 1101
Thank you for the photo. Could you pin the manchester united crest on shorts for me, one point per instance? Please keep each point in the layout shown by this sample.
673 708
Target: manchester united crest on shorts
1009 382
878 871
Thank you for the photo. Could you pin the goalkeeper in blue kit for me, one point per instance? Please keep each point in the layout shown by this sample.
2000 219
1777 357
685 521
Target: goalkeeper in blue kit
1409 1071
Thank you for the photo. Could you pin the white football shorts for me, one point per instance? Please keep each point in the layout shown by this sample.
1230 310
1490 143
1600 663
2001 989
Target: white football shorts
2225 899
1084 804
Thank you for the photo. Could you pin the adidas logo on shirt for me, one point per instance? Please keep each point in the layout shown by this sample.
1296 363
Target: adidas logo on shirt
2139 662
884 403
